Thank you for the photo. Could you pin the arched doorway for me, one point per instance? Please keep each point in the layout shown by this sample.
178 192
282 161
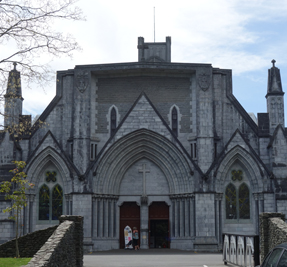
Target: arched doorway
159 225
129 215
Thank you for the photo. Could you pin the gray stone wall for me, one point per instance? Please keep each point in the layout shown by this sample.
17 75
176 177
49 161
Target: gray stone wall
28 244
162 91
273 231
64 247
277 232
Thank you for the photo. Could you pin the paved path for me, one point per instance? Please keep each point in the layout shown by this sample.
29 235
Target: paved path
153 258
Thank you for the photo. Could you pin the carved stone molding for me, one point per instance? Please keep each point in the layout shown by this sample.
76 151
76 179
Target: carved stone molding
204 80
105 196
218 196
181 196
82 80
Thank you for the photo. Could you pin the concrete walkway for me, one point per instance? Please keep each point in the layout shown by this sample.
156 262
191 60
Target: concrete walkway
153 257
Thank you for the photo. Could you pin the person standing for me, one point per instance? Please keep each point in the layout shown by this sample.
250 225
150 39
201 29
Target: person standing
135 238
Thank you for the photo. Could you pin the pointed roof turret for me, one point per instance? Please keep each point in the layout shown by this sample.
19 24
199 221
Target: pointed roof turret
14 83
274 86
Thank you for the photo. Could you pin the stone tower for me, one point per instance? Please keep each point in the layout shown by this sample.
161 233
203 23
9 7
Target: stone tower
275 98
154 52
13 98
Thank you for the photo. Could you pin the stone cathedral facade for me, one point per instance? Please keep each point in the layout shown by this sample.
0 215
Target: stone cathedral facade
162 146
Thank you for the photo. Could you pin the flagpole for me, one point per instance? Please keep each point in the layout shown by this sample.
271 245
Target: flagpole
154 24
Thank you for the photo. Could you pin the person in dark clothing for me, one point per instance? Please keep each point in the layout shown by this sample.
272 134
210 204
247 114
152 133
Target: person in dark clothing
136 238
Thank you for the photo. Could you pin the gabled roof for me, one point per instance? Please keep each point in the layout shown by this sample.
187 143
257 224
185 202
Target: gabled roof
57 146
228 147
277 129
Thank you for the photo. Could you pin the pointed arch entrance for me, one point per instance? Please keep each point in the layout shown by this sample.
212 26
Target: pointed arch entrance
145 167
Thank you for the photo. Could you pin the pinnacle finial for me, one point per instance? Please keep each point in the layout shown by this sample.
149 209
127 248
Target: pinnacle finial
15 64
273 62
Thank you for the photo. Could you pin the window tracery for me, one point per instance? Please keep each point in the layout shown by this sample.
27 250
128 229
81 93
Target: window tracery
237 197
50 198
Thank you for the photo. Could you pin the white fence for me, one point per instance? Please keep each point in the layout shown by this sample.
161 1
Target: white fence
241 250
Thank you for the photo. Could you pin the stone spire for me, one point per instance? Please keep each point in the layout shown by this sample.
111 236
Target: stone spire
14 83
13 98
275 98
274 86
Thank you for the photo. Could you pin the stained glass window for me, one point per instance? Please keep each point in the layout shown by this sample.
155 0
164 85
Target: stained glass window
230 200
113 121
44 203
57 202
174 121
237 197
243 199
50 202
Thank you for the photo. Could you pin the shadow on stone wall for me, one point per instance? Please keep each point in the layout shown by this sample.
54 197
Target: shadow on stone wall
60 245
28 244
273 231
64 247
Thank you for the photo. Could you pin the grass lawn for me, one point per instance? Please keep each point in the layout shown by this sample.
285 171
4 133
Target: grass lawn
13 262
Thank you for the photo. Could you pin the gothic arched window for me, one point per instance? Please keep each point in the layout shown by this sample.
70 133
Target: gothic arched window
57 202
44 202
50 198
174 121
230 198
113 121
244 202
237 198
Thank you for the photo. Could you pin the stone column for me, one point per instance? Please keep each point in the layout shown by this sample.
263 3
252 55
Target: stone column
112 219
191 216
95 217
101 215
117 226
176 218
67 198
218 231
144 223
31 217
106 219
186 217
181 217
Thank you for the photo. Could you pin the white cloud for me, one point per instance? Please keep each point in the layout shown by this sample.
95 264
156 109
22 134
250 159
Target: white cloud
227 34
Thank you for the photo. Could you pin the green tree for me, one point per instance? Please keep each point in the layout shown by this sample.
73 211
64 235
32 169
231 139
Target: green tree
15 190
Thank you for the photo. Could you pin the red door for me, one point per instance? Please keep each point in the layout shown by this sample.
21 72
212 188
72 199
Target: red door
129 215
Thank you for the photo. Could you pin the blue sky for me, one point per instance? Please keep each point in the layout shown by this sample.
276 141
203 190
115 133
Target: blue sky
240 35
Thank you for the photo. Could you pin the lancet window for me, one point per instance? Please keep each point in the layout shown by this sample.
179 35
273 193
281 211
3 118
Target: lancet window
174 121
50 198
237 197
113 121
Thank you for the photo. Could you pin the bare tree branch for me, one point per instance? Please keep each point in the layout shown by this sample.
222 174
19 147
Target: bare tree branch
27 33
28 26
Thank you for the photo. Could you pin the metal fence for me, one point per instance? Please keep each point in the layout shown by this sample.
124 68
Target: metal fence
241 250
